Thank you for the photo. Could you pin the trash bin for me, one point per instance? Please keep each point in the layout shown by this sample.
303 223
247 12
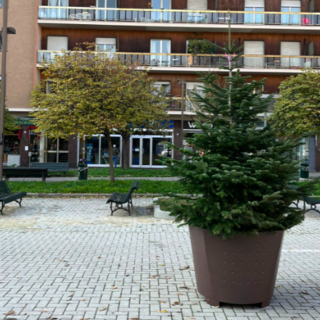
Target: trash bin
82 171
304 169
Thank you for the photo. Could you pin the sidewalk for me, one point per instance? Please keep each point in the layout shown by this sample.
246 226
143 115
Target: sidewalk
64 259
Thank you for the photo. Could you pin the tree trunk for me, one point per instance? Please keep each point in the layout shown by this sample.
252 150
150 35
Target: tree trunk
111 167
125 148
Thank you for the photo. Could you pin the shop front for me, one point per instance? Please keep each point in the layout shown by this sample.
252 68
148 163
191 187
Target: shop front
149 151
11 149
96 150
189 129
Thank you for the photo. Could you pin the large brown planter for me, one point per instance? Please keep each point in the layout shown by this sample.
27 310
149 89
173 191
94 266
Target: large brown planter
239 270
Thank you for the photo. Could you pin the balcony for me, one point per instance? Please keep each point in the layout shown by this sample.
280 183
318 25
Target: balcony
184 20
186 63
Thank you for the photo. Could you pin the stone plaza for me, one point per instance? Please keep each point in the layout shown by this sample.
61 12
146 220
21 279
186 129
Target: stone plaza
67 258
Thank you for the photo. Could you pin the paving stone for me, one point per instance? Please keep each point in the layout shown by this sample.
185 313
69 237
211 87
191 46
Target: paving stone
69 259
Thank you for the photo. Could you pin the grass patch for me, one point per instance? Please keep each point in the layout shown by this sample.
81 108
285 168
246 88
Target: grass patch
119 172
95 186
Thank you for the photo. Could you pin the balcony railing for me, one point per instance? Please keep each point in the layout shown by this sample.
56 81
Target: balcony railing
178 16
158 60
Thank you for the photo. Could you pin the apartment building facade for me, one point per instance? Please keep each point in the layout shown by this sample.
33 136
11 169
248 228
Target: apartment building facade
280 38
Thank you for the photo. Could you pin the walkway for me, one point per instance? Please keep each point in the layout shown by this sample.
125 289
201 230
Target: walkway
65 259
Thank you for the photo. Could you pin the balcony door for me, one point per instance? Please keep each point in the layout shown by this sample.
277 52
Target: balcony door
56 44
290 49
254 48
56 13
163 47
161 5
291 6
103 13
106 44
193 87
254 6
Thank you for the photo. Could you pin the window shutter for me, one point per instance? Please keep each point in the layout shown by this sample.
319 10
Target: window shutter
291 3
254 47
197 5
254 3
290 48
111 41
57 43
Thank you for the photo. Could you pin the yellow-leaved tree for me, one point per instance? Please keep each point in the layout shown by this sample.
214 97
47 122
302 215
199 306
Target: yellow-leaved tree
93 92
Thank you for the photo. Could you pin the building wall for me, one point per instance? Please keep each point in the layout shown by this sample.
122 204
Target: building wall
234 5
21 52
139 41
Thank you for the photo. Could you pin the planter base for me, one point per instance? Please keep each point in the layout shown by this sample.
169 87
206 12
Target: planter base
239 270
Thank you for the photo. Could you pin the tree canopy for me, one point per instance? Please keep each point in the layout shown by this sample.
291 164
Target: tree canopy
89 92
297 110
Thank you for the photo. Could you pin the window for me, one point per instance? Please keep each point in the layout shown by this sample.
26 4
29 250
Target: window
50 87
97 150
192 87
290 49
254 48
158 15
56 150
163 47
255 6
164 86
106 44
292 6
58 13
57 43
106 14
1 3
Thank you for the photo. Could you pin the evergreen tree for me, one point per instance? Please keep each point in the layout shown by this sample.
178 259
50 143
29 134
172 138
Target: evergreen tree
239 174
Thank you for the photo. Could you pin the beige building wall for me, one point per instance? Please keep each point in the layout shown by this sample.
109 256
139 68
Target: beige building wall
21 67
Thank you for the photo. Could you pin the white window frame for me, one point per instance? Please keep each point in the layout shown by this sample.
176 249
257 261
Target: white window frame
189 103
161 59
119 147
56 152
151 137
105 4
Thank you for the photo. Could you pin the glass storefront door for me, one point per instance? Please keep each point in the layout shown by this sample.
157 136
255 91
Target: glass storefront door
96 150
148 151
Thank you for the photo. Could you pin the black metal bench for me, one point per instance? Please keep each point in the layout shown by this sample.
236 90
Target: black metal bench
52 167
121 198
312 202
25 173
6 196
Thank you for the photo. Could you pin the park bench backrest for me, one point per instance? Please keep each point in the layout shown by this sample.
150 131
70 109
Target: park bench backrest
134 186
51 166
4 188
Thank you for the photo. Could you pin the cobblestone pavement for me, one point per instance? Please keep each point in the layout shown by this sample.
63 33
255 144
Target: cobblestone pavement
67 259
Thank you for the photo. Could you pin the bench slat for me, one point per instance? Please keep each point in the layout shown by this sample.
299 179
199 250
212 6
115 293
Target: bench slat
52 167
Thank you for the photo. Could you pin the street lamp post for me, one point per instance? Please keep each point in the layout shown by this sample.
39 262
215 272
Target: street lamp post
182 83
4 38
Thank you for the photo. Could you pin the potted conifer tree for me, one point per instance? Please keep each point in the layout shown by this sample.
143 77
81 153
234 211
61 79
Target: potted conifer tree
242 176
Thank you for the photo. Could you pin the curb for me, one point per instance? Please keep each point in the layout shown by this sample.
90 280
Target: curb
87 195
